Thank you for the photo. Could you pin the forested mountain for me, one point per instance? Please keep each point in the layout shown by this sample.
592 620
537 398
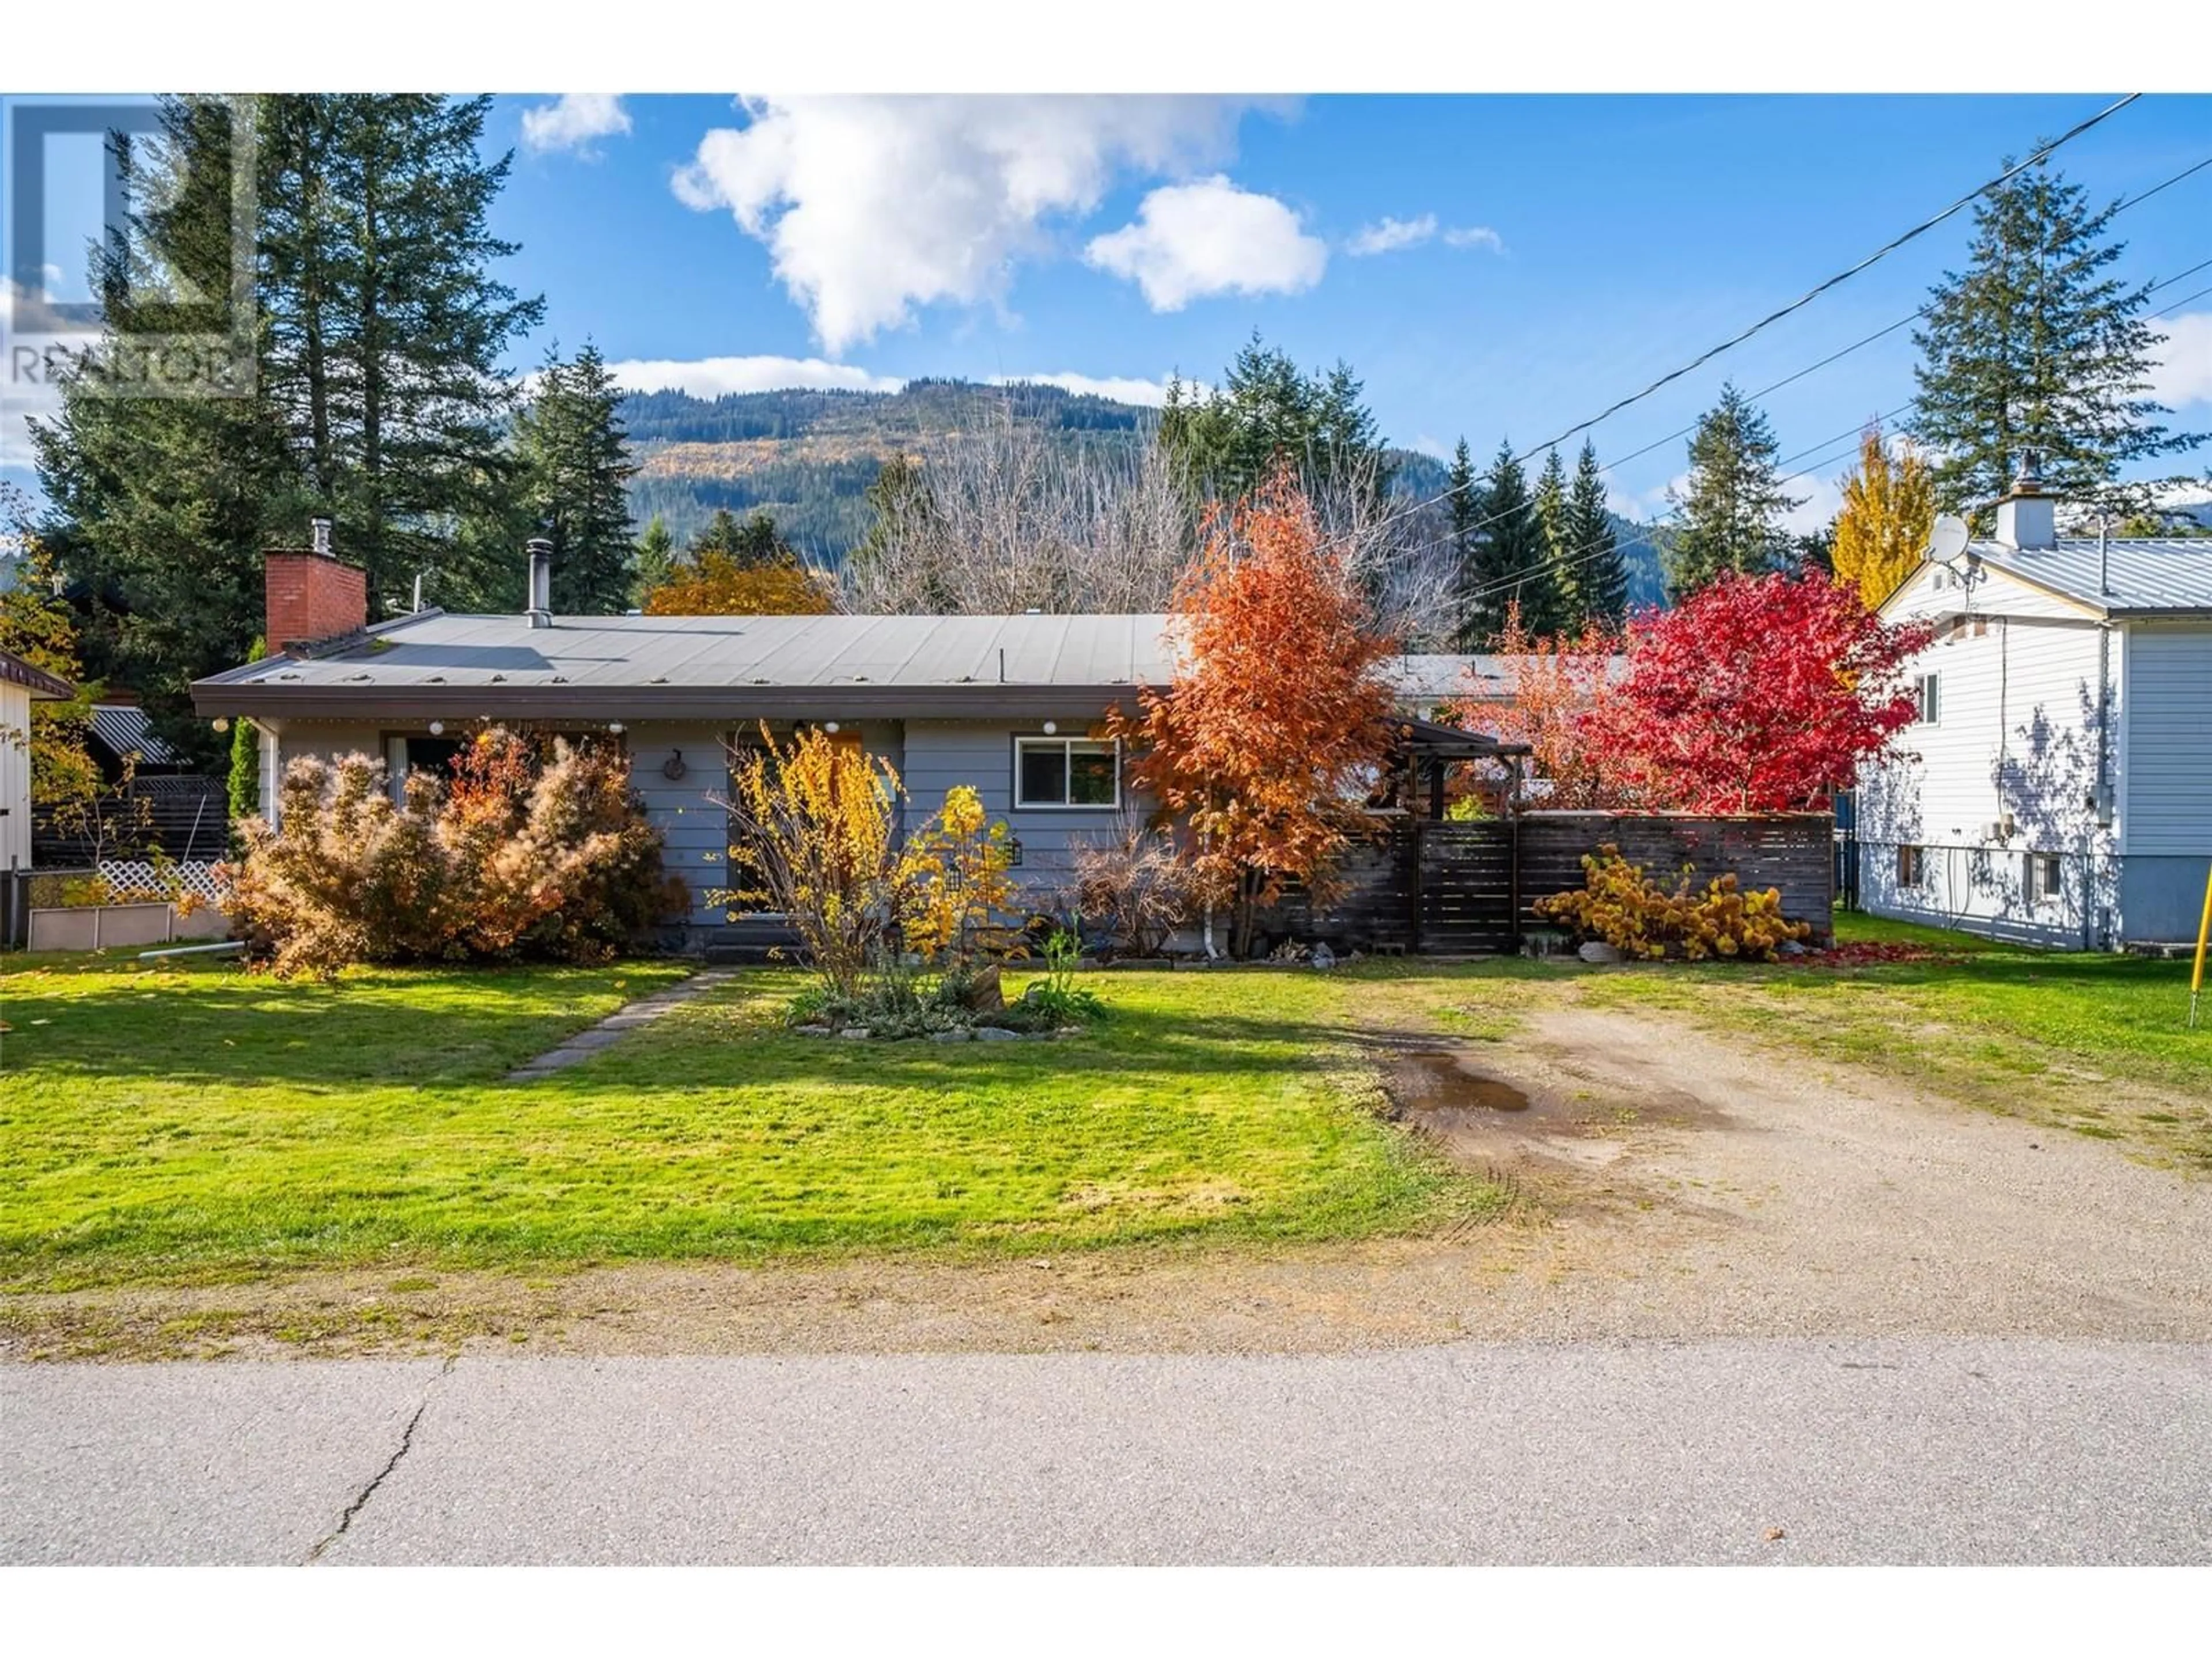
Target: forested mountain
808 457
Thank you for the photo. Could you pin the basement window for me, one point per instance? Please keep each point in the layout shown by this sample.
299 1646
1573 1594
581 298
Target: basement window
1067 772
1911 866
2044 878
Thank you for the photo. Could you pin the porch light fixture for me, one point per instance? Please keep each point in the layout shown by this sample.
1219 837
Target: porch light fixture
616 727
437 728
831 727
1051 728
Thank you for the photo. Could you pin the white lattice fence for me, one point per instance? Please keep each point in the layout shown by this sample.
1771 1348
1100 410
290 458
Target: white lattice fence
137 875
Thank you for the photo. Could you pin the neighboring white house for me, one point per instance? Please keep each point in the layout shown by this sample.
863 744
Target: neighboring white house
21 685
2057 787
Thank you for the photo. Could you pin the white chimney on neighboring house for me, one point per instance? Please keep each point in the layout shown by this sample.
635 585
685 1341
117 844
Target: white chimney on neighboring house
541 582
2027 518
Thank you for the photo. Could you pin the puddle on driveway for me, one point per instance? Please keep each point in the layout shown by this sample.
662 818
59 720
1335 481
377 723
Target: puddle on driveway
1441 1080
1443 1092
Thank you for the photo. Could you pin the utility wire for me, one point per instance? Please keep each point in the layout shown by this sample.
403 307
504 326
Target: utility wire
2040 153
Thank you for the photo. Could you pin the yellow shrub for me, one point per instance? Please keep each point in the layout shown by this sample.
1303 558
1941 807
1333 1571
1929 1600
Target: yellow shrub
1645 922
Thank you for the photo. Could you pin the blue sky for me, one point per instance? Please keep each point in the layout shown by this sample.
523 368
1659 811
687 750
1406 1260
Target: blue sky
1553 253
1603 241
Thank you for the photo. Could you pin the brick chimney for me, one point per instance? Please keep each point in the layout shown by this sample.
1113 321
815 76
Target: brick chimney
2027 518
310 596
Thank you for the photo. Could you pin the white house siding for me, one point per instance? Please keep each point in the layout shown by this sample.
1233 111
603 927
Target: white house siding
2166 802
14 775
941 754
2016 735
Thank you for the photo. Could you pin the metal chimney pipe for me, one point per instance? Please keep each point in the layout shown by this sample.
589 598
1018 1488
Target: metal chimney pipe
541 582
321 531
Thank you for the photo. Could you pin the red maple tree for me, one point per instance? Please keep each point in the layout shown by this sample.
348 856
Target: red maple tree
1263 748
1758 694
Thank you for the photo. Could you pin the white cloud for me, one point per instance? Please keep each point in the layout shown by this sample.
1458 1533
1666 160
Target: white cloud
869 206
1150 394
1388 235
1475 236
2183 373
716 377
1821 499
572 121
1211 237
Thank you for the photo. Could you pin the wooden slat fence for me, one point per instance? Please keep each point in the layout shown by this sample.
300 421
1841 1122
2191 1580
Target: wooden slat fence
1793 853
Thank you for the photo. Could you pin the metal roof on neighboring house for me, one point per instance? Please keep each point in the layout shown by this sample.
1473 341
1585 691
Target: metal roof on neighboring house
43 687
124 729
2138 575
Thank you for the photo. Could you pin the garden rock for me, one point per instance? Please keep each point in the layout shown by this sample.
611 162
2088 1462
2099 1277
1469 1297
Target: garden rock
996 1034
810 1030
958 1033
1323 957
855 1033
984 994
1597 951
1790 947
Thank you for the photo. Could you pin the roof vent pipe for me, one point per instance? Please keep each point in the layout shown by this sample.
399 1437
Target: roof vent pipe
321 529
541 582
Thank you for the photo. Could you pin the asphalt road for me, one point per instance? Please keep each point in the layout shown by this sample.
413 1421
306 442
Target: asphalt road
1895 1450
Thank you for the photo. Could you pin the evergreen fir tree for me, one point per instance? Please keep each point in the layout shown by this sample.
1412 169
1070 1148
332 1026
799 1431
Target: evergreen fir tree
655 562
576 462
1559 549
1512 566
1731 517
1463 510
1595 579
1266 411
2034 347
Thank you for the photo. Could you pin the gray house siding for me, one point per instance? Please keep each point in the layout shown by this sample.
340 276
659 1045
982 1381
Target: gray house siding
942 753
2167 799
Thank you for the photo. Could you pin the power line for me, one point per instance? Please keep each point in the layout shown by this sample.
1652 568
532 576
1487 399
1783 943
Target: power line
1814 293
1798 304
2169 310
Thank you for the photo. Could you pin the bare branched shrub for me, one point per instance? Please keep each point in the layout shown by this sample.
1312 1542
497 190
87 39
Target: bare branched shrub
1133 884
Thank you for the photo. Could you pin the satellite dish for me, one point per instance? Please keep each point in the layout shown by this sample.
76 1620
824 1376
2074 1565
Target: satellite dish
1948 539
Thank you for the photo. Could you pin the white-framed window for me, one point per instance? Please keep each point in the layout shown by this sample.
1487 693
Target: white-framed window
1911 866
1928 690
2044 878
1067 772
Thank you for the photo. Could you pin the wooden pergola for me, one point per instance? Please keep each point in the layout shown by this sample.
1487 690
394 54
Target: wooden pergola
1424 751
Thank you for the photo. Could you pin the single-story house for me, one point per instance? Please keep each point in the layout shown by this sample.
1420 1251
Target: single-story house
1006 704
2057 786
21 685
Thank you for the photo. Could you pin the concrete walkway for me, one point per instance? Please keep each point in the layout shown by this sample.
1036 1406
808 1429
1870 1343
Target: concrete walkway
1831 1450
610 1031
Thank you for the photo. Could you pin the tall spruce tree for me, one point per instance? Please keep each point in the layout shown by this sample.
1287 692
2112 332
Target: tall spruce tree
1512 567
158 509
379 398
2036 347
575 464
1731 516
387 332
1463 511
1595 579
1551 499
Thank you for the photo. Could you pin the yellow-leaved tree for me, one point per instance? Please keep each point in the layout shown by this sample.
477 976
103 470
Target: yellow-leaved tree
957 880
717 585
1889 509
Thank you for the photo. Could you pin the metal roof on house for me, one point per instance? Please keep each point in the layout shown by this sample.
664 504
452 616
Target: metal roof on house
124 729
2139 575
691 666
42 686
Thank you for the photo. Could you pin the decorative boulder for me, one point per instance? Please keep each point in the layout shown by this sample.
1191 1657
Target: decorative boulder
1597 951
996 1034
1323 957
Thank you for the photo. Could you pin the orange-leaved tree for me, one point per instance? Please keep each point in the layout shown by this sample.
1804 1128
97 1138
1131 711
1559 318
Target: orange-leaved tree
717 585
1263 747
1553 684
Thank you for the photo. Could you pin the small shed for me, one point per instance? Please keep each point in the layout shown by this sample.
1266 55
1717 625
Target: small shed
21 685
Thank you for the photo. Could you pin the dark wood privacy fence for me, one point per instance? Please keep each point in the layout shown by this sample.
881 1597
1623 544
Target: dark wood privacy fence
1449 888
186 816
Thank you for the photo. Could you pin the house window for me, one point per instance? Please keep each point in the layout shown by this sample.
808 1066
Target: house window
1929 692
1067 772
2044 879
419 752
1911 866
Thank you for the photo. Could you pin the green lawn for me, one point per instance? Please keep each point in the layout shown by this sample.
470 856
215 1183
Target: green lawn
202 1123
2079 1039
